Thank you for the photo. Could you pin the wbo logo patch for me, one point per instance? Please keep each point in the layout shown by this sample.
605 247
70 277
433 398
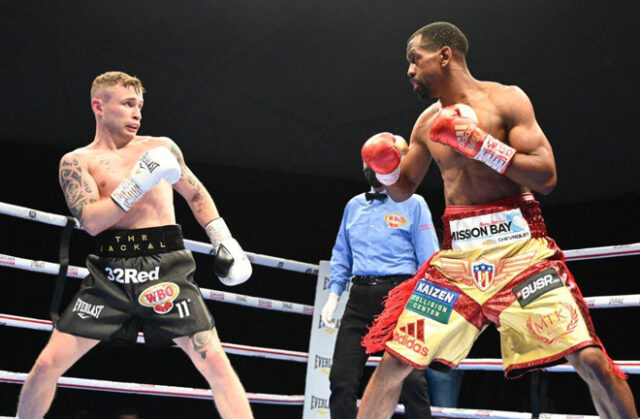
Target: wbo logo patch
395 220
160 297
432 301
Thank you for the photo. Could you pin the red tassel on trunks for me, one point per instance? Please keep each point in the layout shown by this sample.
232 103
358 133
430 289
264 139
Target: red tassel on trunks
382 328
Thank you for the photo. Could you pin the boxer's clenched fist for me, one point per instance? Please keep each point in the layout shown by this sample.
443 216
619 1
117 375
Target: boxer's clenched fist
457 126
230 263
152 167
382 153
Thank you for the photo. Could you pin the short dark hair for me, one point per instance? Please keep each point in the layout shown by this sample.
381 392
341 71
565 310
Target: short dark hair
438 34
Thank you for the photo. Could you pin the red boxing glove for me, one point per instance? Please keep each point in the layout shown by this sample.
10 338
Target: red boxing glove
457 126
383 157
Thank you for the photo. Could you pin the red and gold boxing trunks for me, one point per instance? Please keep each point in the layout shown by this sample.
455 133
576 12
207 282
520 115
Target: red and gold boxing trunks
498 266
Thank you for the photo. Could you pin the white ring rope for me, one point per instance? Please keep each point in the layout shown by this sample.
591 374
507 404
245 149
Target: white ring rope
607 301
150 389
495 364
291 265
484 364
230 348
194 393
602 252
194 246
209 294
450 412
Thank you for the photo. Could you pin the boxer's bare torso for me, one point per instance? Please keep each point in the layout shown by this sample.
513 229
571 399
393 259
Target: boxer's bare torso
467 181
97 167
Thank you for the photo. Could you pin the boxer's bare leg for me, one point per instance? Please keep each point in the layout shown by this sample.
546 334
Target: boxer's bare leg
611 394
383 390
61 352
205 351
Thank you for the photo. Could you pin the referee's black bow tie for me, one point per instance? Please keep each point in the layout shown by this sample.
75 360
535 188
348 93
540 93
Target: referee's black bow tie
371 196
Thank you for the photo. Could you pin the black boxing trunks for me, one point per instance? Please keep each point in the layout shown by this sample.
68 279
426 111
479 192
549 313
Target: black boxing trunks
139 280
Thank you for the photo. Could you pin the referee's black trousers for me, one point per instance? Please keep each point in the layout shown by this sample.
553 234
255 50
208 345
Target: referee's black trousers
349 358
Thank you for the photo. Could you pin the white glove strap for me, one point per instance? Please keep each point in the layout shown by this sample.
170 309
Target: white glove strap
127 194
217 231
389 178
495 154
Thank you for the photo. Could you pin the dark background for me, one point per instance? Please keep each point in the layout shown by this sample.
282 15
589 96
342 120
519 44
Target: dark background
270 103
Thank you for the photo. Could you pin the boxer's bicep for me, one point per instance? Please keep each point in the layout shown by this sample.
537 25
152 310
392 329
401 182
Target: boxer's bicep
191 189
78 186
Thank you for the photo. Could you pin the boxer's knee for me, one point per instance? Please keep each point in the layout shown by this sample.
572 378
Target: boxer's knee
209 356
592 364
46 366
393 370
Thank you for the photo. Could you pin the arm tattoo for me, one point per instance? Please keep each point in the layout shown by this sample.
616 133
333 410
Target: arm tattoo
191 178
74 187
201 342
186 172
199 201
176 152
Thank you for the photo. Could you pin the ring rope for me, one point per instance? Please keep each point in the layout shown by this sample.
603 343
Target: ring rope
291 265
450 412
230 348
151 389
606 301
480 364
209 294
194 393
495 364
198 247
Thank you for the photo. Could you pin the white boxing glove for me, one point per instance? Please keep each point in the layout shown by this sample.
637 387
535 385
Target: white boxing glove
153 166
230 263
329 309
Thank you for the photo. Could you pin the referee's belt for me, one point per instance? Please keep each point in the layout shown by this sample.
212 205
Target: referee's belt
375 279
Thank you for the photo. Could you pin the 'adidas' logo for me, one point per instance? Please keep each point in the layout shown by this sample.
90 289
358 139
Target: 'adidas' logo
415 329
411 336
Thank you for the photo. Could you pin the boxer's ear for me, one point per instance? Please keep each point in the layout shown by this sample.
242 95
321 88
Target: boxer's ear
96 105
446 55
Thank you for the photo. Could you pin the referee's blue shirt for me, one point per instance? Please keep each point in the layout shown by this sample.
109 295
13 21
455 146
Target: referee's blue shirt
381 238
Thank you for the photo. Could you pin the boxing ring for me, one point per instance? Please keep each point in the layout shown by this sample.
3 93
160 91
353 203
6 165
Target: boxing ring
50 268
